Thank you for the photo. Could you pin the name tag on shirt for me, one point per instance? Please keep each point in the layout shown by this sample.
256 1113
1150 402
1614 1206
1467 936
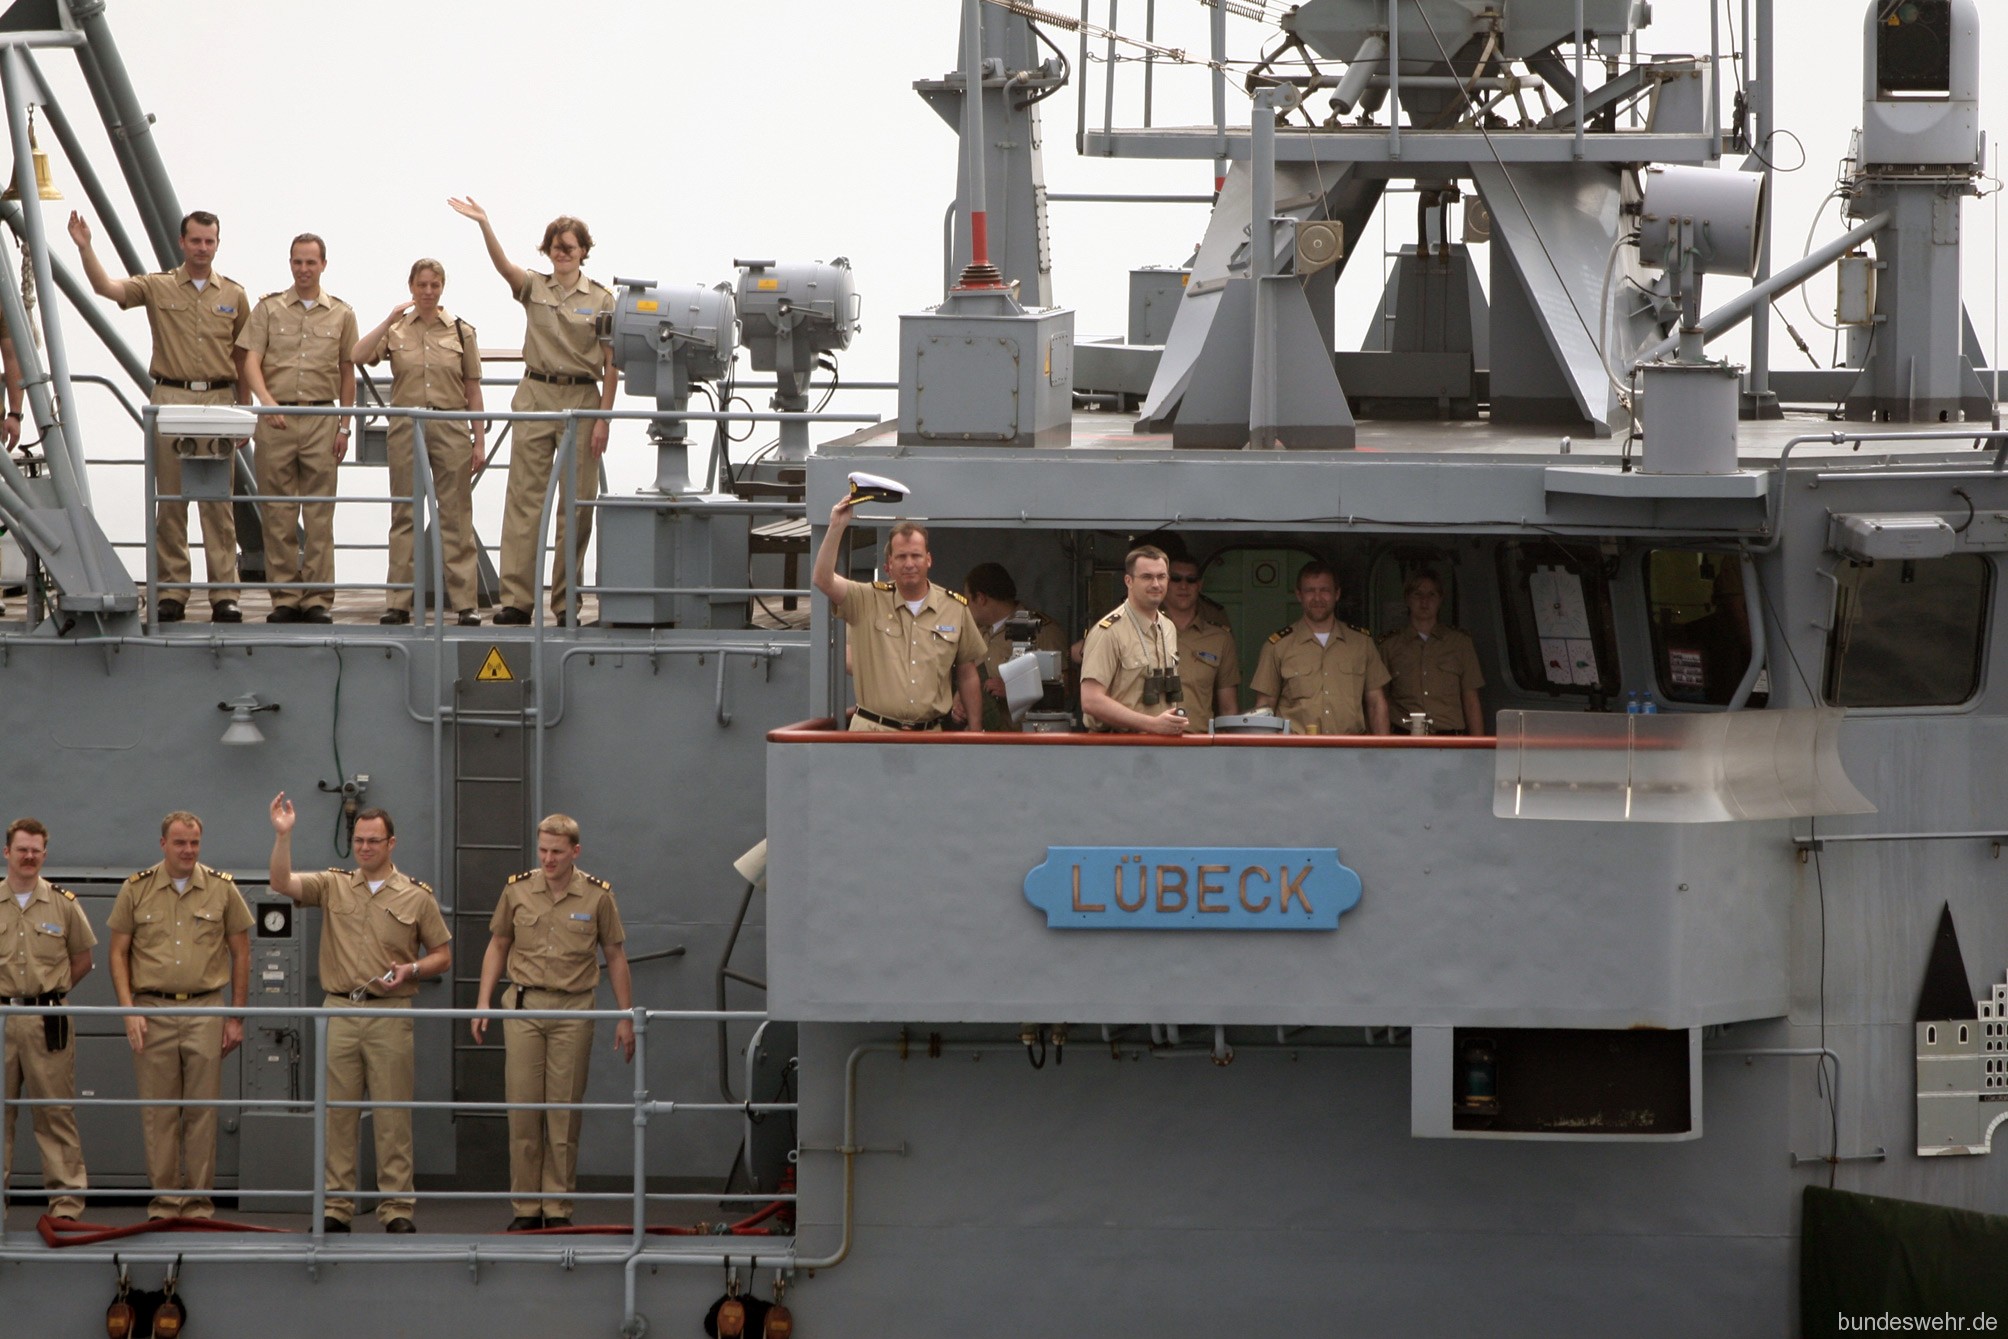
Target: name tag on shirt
1210 657
226 311
582 311
582 915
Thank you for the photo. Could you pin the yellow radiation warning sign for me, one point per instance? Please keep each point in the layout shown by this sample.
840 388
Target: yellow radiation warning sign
495 669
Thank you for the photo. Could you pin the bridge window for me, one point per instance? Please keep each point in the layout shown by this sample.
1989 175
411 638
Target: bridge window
1556 600
1700 627
1909 633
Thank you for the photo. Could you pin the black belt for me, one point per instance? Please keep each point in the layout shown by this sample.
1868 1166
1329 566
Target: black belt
555 380
301 404
224 383
521 991
172 995
932 723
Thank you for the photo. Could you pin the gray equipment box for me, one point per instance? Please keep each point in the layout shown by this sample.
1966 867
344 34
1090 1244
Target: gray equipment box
650 549
1154 294
980 371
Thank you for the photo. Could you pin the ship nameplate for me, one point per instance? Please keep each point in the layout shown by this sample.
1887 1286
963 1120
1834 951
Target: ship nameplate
1192 888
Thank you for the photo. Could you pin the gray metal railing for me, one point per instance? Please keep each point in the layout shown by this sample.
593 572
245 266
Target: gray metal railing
642 1107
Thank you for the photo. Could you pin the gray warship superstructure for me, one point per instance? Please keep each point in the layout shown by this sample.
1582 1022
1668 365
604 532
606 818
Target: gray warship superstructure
1574 1024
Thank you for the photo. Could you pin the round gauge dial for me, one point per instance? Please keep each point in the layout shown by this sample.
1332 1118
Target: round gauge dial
275 920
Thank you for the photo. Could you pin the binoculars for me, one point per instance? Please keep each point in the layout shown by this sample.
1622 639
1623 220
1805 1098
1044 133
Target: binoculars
1162 686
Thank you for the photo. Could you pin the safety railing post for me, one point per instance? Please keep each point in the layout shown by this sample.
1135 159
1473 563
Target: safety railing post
320 1168
561 466
150 450
570 484
641 1104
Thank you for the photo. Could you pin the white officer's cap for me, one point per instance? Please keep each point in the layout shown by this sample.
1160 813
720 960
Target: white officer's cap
876 488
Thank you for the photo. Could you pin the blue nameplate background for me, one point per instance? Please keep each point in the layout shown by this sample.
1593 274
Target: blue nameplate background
1192 888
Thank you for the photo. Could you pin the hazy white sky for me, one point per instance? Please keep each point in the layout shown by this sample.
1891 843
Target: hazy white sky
688 134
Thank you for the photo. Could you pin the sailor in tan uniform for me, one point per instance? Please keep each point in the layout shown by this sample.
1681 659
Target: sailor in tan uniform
435 363
1129 665
180 933
1434 667
1322 676
296 352
1209 666
380 932
45 950
196 315
993 599
549 928
914 646
565 367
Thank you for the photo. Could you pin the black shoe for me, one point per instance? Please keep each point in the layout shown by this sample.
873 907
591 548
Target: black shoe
400 1226
170 611
225 611
319 613
286 613
391 616
524 1224
557 1222
469 619
334 1225
509 616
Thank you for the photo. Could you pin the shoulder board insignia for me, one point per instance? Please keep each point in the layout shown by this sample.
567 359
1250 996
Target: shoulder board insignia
150 869
883 585
518 878
957 596
1282 632
64 891
422 885
167 271
211 869
277 292
1111 620
336 869
598 882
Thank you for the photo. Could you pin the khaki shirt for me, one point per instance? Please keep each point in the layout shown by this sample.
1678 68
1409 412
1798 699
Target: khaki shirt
37 943
300 348
554 942
364 935
1321 690
1207 662
193 332
1431 673
180 941
430 362
1120 651
562 337
905 662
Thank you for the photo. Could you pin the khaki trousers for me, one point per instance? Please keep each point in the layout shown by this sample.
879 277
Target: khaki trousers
298 460
531 452
183 1058
36 1072
219 524
450 449
370 1051
547 1060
